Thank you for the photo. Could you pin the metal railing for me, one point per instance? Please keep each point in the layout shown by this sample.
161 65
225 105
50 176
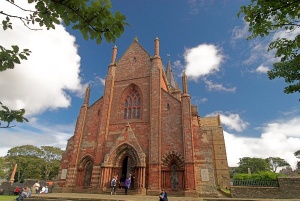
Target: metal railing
264 183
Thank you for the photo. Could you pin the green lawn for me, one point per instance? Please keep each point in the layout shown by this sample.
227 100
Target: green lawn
8 197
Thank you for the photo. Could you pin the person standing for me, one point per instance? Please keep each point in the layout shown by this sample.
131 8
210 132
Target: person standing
122 181
127 185
131 179
113 184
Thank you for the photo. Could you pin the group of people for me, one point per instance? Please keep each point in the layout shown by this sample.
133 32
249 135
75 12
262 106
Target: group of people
26 191
40 189
22 193
126 182
123 183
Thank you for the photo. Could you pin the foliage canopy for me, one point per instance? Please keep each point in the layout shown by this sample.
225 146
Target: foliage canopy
255 165
263 176
276 162
34 162
268 17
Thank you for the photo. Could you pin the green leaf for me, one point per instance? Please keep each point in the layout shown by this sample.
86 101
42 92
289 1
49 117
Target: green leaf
15 48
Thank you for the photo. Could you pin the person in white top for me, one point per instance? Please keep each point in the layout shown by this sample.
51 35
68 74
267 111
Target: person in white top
43 190
37 187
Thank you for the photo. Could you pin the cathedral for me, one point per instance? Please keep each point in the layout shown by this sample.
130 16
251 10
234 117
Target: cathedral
145 126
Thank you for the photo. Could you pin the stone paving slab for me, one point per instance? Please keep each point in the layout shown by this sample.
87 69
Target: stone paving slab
107 197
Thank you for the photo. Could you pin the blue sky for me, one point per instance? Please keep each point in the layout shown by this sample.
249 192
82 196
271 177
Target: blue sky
227 75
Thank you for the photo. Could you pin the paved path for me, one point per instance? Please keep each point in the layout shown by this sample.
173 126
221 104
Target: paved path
105 197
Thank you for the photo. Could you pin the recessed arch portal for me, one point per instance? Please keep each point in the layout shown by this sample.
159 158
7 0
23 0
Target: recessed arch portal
84 170
173 171
121 152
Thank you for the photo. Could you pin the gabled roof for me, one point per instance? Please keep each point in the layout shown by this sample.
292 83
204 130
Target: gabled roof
135 41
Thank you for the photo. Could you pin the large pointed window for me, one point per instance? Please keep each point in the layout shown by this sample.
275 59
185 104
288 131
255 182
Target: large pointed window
132 105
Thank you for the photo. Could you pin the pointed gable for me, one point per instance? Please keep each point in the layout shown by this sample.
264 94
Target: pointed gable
134 63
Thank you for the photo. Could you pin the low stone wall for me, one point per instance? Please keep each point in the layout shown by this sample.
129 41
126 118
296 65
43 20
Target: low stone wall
288 189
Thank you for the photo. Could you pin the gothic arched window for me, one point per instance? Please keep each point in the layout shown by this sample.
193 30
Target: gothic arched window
132 105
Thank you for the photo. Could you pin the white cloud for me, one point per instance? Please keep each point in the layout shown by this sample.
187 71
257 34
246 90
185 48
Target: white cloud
240 32
36 134
290 35
177 65
203 60
198 100
101 80
259 47
231 121
211 86
279 138
52 70
262 69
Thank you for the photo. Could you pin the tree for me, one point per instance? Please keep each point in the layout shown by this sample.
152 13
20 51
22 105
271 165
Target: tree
92 18
276 162
34 162
268 17
255 165
3 169
52 157
297 154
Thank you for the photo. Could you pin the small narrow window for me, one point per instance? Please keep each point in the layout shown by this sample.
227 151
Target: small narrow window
168 106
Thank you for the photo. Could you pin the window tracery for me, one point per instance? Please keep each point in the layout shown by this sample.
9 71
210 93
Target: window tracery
132 105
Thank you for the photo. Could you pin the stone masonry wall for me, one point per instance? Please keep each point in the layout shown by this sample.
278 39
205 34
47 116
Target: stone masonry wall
288 189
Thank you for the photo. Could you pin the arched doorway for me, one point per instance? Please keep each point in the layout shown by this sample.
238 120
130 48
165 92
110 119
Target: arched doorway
88 174
173 172
127 166
125 160
84 172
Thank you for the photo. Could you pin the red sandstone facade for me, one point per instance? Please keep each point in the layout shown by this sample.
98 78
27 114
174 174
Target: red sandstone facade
144 125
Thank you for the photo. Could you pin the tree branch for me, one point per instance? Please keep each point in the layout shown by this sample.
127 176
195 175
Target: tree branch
19 6
24 20
80 16
286 5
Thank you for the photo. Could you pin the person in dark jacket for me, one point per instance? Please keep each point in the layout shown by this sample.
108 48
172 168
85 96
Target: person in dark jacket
127 185
163 195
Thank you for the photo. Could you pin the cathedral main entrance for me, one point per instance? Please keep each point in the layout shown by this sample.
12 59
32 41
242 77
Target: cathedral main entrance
125 161
126 167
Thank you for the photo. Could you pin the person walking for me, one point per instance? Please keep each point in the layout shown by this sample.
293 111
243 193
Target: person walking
127 185
113 184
